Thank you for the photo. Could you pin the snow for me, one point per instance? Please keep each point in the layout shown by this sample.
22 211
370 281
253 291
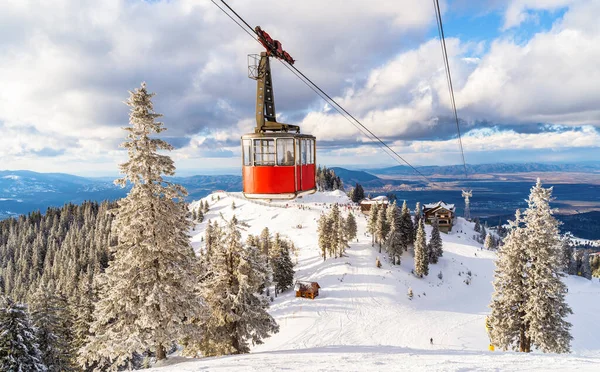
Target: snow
440 204
12 177
363 318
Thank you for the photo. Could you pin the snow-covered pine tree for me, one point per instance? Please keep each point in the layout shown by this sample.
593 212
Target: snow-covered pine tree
54 322
545 306
199 216
483 234
382 229
477 225
406 227
421 258
237 310
417 218
395 239
567 252
372 222
508 329
147 292
338 236
283 268
324 231
575 265
18 344
586 269
435 245
350 227
206 207
265 243
489 243
194 215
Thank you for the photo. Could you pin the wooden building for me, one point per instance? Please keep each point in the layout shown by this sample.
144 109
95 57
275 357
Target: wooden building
307 289
445 213
365 204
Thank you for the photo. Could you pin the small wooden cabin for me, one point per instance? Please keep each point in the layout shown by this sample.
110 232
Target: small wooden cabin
307 289
365 204
445 213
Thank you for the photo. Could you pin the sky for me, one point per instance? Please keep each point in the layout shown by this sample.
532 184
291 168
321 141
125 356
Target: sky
525 73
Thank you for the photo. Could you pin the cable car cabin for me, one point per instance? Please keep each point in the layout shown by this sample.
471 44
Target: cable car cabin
278 165
277 161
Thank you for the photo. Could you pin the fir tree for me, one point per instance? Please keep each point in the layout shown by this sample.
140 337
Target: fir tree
350 227
200 216
338 240
53 321
508 328
421 258
18 345
528 305
358 193
283 268
237 309
586 269
489 243
545 308
406 226
325 227
194 215
265 243
372 222
477 225
435 243
395 239
567 252
382 228
147 292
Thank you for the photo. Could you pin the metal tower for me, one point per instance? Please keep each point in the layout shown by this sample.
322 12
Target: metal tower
467 194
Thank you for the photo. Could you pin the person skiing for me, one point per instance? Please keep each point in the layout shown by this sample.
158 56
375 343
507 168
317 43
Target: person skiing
431 340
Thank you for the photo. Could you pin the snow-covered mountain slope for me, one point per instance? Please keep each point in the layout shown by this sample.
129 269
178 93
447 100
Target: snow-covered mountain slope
363 318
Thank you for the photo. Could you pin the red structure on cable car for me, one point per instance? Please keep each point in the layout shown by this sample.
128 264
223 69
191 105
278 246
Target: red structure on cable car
277 161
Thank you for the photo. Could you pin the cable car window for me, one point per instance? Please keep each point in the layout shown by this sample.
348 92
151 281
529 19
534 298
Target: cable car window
285 151
247 148
298 152
304 151
311 151
264 152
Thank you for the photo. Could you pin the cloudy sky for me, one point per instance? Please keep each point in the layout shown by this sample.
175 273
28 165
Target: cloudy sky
526 75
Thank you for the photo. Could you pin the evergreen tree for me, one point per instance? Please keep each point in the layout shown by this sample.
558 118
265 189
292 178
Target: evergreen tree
406 226
283 268
477 225
545 307
194 215
372 222
237 309
395 239
417 219
358 193
200 216
206 207
483 234
18 345
325 227
350 227
147 292
567 252
265 243
382 228
421 258
338 235
53 321
435 243
586 269
489 243
528 306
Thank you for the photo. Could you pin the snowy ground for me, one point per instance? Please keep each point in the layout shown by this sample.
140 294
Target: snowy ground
364 320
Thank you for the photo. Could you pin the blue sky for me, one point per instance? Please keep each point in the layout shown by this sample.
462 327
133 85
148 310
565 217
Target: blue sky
525 74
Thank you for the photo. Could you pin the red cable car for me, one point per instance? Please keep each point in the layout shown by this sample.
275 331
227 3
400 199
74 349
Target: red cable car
277 161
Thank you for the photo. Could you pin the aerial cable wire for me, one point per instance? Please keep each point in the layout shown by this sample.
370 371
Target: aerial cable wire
326 97
438 17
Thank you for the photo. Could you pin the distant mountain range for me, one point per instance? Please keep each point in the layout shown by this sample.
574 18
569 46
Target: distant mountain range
458 170
26 191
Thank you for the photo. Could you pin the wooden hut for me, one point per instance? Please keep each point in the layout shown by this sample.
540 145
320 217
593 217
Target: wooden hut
365 204
307 289
445 214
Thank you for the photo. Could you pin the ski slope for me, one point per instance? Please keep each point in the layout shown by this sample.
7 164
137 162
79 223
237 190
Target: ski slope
364 319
